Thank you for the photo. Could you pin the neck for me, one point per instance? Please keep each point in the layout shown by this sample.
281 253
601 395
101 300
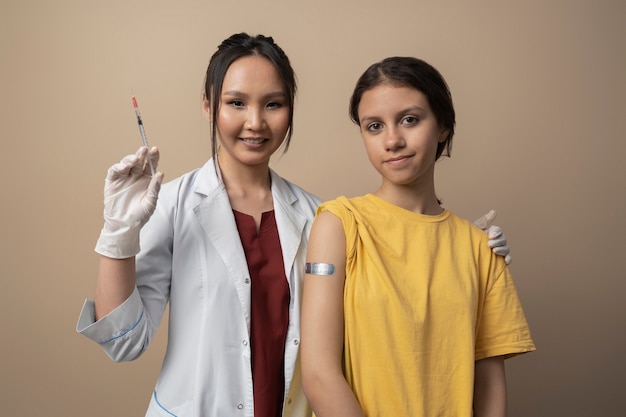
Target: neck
249 188
415 198
244 177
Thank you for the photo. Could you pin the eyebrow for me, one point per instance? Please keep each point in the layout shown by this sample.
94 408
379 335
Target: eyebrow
237 93
410 109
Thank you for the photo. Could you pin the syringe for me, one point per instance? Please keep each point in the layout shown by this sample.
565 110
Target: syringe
143 133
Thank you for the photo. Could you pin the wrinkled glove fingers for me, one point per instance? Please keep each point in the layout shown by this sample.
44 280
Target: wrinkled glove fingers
499 246
497 242
152 157
503 251
154 187
497 239
139 163
121 169
125 166
494 232
494 243
486 220
149 201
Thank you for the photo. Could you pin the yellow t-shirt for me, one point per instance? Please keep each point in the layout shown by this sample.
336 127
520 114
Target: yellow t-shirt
424 298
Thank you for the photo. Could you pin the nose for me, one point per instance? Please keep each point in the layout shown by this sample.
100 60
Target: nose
255 119
394 139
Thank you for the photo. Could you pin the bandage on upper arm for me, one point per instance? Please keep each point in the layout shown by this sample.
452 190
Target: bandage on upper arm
319 268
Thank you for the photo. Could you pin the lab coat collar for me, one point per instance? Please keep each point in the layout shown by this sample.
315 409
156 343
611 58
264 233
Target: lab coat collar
290 221
216 217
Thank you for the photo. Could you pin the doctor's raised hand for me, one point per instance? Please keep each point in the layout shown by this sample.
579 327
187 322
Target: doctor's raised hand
130 196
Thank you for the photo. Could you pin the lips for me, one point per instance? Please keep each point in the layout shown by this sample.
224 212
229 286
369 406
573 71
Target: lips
398 158
253 141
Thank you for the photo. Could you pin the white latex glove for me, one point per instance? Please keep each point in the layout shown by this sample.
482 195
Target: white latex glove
497 240
130 197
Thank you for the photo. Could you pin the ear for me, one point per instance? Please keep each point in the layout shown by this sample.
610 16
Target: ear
443 136
206 107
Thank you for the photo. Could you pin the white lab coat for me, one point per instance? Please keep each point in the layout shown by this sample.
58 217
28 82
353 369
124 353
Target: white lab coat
192 257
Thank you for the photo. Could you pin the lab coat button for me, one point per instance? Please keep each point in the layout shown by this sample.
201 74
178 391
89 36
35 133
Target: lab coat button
240 406
296 342
245 343
247 280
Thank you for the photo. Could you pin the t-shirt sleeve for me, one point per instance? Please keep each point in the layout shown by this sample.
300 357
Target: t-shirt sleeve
341 208
502 329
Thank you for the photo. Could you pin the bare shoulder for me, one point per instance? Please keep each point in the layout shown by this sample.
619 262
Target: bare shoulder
327 233
327 222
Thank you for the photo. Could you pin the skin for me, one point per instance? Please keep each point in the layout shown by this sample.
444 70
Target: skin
321 324
490 388
400 134
253 120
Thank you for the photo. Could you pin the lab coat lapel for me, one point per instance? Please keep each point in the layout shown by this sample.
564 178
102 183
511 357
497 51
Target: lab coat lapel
216 218
289 221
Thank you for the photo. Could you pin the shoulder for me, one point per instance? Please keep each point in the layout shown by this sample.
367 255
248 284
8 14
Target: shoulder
328 236
339 204
291 193
348 209
328 223
465 226
469 236
342 211
202 181
182 180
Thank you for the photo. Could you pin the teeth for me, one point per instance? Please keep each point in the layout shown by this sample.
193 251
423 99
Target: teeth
253 141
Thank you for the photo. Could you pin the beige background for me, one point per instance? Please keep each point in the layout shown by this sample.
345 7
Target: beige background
539 89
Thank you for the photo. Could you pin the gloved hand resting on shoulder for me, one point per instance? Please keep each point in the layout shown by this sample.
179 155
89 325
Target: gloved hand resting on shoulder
497 240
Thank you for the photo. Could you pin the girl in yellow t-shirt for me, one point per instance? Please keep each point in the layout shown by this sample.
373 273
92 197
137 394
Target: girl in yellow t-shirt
406 310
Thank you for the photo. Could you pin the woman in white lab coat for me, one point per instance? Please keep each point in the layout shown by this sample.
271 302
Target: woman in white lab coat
192 254
225 246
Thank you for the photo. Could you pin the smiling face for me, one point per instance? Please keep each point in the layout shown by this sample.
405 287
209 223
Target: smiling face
401 135
253 116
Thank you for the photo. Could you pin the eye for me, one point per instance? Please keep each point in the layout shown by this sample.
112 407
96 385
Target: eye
409 120
274 105
374 127
236 103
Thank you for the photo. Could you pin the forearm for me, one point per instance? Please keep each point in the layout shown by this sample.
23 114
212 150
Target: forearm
116 282
490 388
330 395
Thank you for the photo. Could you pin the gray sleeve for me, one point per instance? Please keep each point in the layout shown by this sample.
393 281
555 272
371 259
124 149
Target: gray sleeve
121 333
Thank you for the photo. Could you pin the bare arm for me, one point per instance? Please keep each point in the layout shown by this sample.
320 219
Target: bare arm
116 282
322 324
490 388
